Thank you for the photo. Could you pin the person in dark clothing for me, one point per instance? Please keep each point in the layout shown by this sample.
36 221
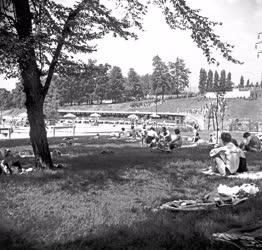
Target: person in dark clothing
242 167
176 141
234 141
251 143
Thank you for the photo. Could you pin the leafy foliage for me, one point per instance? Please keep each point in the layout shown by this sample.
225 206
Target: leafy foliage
133 81
59 31
210 80
213 82
179 76
222 81
229 83
160 76
202 81
116 84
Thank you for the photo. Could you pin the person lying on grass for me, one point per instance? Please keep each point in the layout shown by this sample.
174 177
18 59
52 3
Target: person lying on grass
251 143
176 140
227 156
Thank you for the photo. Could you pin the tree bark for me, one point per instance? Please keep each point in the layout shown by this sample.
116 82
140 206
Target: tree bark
33 88
38 136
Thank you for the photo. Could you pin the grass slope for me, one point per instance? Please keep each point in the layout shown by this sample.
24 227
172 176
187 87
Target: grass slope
237 108
104 201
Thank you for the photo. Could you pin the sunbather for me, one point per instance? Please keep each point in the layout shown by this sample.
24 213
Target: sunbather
226 157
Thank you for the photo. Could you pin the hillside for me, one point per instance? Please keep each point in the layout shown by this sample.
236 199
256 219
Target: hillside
237 108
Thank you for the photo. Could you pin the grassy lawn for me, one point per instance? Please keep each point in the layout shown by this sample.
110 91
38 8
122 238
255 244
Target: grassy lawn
105 201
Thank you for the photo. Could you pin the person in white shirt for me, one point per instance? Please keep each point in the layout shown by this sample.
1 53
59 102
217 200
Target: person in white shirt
152 137
227 156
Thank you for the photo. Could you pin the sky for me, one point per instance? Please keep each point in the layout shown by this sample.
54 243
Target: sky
241 23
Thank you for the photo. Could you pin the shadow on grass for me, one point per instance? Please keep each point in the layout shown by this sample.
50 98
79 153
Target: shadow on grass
11 240
165 230
162 231
70 192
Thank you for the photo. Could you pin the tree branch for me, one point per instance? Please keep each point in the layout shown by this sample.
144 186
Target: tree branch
9 18
65 32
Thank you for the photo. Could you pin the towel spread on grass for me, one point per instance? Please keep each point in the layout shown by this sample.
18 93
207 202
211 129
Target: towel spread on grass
252 175
222 196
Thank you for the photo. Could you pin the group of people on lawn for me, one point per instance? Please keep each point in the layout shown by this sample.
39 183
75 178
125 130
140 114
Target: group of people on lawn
162 140
229 157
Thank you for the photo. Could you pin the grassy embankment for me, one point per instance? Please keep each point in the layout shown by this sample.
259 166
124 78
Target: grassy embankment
104 201
237 108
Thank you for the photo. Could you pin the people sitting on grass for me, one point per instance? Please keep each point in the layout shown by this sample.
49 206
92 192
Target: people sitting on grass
176 140
152 137
196 136
214 136
10 163
122 133
251 143
165 139
227 156
242 160
132 132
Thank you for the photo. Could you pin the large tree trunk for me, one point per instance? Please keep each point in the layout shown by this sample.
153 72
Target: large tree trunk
38 136
33 88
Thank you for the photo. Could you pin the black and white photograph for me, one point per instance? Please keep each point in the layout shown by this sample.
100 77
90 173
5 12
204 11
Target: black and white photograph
130 124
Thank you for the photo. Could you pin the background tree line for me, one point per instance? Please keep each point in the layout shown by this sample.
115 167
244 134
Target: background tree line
248 84
210 81
94 83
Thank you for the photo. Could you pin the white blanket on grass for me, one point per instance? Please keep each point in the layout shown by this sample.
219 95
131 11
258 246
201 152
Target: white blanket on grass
252 175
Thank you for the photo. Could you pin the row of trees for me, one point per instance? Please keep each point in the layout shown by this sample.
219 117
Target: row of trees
94 83
248 84
212 81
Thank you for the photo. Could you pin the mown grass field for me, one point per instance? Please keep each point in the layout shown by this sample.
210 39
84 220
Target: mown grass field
105 201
